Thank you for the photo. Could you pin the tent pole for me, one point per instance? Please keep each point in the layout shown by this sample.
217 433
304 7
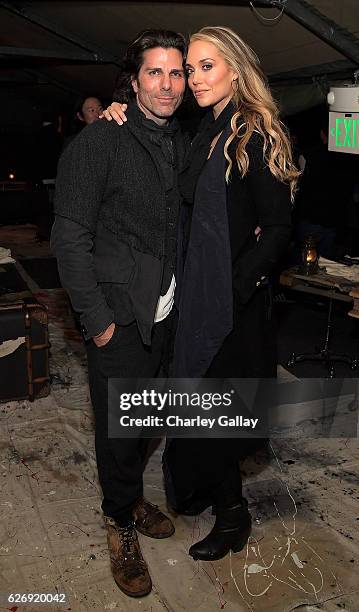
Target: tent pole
327 30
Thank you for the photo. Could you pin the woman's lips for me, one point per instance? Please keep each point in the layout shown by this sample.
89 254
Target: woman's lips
200 92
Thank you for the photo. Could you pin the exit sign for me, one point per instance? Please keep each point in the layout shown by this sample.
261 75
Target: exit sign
343 135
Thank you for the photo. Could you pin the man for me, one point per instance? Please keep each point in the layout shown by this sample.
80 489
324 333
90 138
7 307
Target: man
115 241
89 110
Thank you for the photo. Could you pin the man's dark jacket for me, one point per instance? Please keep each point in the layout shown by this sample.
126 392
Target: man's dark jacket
109 233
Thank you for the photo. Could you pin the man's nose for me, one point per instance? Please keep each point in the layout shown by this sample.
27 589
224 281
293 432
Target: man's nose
166 82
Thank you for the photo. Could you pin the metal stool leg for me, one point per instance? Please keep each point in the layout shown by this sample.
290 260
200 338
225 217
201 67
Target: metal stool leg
325 355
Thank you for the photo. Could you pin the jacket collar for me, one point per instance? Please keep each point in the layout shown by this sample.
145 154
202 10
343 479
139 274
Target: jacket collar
138 122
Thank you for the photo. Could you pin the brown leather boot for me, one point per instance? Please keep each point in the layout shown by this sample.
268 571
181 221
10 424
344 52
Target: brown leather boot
150 521
128 567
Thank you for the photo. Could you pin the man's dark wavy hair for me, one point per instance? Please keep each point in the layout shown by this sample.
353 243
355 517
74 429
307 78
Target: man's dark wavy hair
133 59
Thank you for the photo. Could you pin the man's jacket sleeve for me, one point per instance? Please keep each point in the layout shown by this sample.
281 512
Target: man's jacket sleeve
80 187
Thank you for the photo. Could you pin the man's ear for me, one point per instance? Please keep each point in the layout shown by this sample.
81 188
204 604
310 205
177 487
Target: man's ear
80 117
134 84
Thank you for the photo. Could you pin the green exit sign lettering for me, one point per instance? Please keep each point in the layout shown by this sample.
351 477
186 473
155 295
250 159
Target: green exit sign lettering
343 132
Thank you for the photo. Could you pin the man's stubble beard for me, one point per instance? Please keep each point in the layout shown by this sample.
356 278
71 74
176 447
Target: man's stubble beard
157 113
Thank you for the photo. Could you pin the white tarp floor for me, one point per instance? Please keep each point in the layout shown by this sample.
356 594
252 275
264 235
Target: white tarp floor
304 551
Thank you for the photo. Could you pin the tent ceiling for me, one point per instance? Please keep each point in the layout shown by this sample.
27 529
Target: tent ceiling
103 30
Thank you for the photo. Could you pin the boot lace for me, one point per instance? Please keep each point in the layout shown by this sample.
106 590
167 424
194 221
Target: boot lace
128 536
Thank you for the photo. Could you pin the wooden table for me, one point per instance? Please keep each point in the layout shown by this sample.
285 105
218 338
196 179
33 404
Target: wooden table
332 288
323 284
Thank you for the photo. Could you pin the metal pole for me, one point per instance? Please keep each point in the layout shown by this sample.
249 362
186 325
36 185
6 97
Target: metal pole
304 13
98 55
77 56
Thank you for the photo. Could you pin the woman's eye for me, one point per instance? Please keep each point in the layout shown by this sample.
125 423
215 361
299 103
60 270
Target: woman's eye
189 71
207 66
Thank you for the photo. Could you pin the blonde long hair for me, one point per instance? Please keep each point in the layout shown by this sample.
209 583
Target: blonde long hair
256 109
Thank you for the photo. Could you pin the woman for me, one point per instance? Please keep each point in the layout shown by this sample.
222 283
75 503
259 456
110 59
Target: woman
239 175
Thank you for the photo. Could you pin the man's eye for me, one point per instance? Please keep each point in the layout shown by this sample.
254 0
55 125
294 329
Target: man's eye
152 72
177 74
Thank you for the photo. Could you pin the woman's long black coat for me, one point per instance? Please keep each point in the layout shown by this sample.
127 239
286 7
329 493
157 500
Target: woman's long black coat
258 199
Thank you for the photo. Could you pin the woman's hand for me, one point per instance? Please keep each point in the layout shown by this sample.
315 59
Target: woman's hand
115 111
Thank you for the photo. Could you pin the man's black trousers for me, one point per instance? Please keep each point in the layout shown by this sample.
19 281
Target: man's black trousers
120 462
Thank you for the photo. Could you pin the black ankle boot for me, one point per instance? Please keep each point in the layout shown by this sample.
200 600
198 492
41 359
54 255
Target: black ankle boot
230 532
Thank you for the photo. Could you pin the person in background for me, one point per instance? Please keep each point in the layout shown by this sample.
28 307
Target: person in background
89 110
239 176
